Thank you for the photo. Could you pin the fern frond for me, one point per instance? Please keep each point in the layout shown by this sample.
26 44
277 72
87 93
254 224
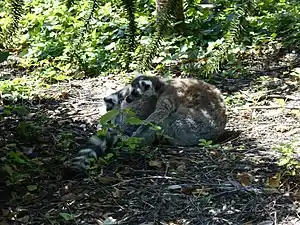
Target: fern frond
151 51
220 55
93 10
81 36
129 7
164 20
16 11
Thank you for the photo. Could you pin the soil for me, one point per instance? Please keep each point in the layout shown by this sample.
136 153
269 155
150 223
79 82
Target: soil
237 181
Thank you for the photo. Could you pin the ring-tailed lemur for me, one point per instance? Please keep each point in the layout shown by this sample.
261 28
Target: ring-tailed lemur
187 110
97 146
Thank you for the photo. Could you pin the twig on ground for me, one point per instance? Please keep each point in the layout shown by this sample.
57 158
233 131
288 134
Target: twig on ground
277 68
288 97
268 107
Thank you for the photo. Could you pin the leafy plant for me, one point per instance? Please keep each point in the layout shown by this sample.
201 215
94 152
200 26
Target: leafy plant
17 165
207 144
7 35
101 37
130 143
289 158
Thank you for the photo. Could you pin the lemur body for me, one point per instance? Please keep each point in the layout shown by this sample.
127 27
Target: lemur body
187 109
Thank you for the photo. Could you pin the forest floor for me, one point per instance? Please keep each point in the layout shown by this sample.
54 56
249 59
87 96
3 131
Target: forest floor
237 181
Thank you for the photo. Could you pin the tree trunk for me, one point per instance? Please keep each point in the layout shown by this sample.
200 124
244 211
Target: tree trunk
175 9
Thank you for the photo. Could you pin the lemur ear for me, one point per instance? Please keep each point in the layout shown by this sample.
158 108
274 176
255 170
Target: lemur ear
108 100
124 93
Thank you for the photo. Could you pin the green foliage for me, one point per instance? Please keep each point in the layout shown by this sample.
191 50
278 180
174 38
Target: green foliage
15 8
19 88
16 163
66 216
207 144
129 6
3 56
65 139
163 26
130 144
289 158
109 116
91 37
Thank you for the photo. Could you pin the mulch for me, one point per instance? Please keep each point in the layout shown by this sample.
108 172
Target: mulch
234 182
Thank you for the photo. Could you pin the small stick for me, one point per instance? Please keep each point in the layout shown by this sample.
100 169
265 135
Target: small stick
268 107
288 97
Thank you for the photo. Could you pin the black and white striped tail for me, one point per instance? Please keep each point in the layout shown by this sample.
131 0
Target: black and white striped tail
94 148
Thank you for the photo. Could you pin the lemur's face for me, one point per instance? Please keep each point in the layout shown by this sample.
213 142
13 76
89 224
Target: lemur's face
140 86
114 100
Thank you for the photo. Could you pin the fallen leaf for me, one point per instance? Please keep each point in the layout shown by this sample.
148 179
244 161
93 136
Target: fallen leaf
280 101
248 223
68 197
8 169
109 221
116 193
107 180
66 216
155 163
188 190
282 128
200 191
248 114
245 179
181 168
274 181
32 187
64 94
23 219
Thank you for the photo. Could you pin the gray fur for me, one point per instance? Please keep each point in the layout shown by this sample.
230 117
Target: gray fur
187 110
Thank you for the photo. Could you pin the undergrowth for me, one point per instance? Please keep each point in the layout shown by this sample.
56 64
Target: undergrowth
90 39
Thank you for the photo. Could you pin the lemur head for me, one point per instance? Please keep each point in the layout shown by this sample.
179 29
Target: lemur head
143 86
115 99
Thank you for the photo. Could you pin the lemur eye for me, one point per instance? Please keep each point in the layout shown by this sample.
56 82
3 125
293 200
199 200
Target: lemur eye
145 85
108 100
135 93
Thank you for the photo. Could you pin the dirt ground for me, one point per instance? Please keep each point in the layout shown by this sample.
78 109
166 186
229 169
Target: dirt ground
235 182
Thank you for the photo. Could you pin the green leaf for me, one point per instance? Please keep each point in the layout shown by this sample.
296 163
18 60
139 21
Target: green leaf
61 77
109 156
283 161
66 216
110 46
134 121
209 142
280 101
32 187
155 127
108 116
3 56
8 169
